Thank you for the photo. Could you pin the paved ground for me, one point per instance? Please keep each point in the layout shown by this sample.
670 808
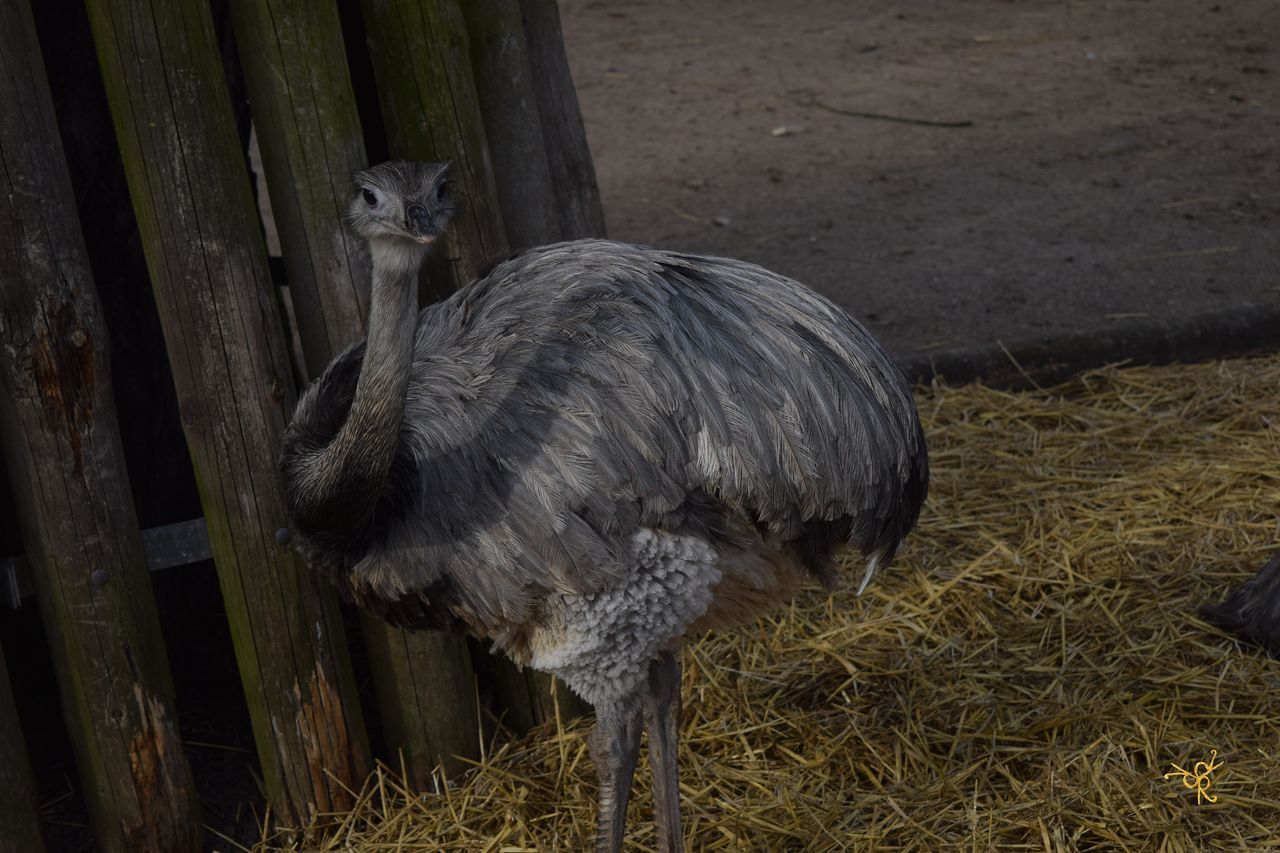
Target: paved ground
1118 161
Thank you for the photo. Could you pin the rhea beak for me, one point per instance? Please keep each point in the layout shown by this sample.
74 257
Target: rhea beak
419 225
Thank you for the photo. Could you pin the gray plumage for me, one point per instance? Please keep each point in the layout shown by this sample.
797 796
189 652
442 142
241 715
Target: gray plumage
594 422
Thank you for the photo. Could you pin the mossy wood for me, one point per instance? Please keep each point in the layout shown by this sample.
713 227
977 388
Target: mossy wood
545 196
512 123
309 134
222 328
310 137
19 808
63 452
573 174
421 59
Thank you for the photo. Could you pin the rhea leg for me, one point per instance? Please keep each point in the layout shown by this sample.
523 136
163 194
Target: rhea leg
662 717
615 746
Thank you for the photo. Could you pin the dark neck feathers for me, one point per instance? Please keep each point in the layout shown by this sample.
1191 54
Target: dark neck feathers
337 485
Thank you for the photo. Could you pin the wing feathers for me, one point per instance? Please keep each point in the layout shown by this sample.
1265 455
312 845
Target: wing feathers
590 388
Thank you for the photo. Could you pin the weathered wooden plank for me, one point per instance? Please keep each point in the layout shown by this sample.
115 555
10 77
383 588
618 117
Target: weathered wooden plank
530 698
512 123
421 57
573 174
309 134
19 809
427 694
204 250
160 478
421 60
66 463
531 201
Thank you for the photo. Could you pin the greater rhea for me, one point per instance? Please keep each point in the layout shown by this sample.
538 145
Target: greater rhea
592 453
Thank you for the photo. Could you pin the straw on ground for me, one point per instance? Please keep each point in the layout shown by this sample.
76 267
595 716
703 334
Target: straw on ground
1021 680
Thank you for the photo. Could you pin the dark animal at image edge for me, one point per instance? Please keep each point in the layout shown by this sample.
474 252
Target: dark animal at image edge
1252 610
591 454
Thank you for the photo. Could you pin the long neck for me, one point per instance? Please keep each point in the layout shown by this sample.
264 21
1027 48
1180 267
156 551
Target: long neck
340 484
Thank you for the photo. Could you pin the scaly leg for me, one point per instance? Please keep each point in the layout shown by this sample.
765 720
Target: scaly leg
662 717
615 746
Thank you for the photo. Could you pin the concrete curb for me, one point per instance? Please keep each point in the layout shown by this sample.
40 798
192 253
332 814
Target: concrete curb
1253 329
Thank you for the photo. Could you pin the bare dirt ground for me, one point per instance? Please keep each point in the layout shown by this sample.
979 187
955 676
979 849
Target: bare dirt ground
1117 160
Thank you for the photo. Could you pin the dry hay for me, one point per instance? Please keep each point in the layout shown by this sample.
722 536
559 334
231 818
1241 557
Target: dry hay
1022 679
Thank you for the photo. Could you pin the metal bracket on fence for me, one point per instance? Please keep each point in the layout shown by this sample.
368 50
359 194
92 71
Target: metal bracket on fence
165 547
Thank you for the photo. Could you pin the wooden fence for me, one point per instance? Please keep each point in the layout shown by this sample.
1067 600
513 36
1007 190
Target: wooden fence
484 85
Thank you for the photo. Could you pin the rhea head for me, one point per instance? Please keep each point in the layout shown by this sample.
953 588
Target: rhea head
401 207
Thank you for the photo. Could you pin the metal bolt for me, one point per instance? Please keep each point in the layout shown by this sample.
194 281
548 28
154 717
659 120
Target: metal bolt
99 576
78 337
282 535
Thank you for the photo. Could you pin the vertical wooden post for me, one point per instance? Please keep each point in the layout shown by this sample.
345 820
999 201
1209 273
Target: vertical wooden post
62 447
222 328
421 59
309 133
565 138
544 197
429 105
512 123
19 810
160 479
427 696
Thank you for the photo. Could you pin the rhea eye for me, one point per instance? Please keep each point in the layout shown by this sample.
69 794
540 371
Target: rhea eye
442 190
369 198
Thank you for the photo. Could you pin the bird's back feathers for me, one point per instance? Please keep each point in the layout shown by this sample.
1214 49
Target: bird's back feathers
587 390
